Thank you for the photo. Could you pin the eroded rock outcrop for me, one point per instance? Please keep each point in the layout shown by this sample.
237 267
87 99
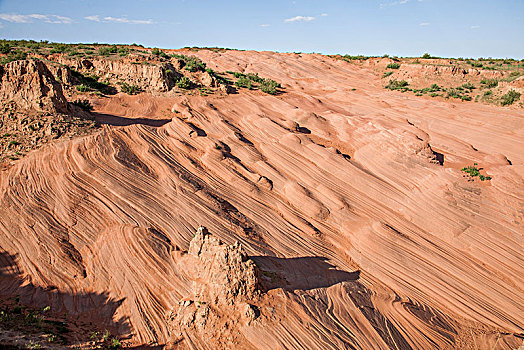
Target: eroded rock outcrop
31 85
224 289
151 77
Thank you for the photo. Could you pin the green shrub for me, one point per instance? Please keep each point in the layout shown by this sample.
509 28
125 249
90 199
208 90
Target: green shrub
123 51
244 82
477 64
159 53
465 98
5 48
474 171
184 83
88 83
490 83
351 58
254 77
59 48
426 55
83 88
15 55
130 89
115 344
393 66
468 86
191 66
453 93
269 86
397 84
488 93
191 63
387 74
510 97
107 50
84 104
471 170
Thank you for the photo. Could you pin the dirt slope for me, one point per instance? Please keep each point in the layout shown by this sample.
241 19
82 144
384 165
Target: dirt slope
349 199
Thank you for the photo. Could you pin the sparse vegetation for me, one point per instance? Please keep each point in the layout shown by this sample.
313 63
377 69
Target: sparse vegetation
84 104
352 58
473 171
254 77
5 48
510 97
451 92
13 55
387 74
184 83
107 50
159 53
269 86
490 83
130 89
244 82
59 48
83 88
191 63
115 344
123 51
91 83
397 85
393 65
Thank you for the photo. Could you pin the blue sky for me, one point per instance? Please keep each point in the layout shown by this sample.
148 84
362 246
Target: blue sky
445 28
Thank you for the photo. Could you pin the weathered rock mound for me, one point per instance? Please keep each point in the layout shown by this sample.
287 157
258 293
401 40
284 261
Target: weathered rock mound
224 272
30 84
224 280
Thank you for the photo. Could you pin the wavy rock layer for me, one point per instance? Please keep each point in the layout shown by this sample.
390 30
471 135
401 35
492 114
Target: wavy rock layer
316 184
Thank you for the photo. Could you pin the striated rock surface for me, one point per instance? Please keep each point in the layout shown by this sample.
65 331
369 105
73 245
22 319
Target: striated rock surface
352 204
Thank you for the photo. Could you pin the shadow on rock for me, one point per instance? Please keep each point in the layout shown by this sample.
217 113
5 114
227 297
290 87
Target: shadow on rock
79 313
302 273
123 121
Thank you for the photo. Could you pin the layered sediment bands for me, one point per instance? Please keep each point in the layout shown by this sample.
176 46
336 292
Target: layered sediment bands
31 85
315 184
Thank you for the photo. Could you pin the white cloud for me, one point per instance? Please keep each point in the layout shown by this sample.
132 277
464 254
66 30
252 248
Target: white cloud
394 3
324 15
300 19
93 18
475 27
16 18
424 24
264 25
109 19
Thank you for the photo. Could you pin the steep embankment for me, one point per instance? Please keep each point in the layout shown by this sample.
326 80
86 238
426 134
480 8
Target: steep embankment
317 184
